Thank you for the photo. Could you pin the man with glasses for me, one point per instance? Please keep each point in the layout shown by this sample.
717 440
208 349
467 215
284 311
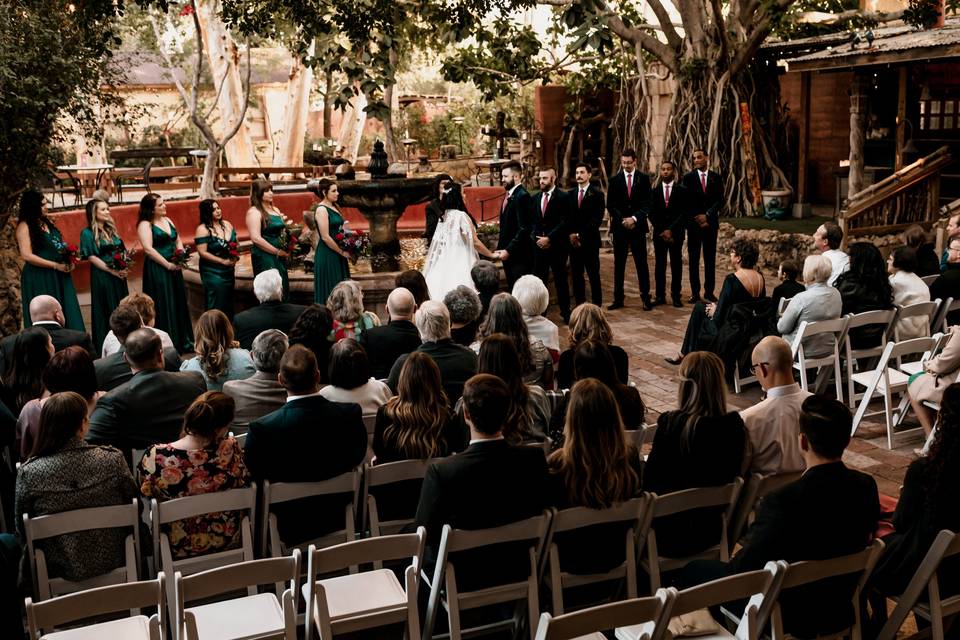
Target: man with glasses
773 424
948 284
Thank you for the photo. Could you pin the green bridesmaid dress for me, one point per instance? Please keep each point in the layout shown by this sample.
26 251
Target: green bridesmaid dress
262 261
167 291
37 281
106 290
329 268
218 278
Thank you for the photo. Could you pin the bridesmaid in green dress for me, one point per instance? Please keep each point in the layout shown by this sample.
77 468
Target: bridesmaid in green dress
267 226
162 279
46 270
330 264
213 238
100 243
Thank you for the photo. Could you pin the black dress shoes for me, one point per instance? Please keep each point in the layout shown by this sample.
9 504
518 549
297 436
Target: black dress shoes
613 306
675 360
658 301
646 304
710 297
677 303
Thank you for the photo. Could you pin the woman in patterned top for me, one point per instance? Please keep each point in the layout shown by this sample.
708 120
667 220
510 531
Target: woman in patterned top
346 305
201 461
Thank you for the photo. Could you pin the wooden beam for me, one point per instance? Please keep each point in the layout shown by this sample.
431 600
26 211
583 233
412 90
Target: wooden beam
804 137
901 117
858 121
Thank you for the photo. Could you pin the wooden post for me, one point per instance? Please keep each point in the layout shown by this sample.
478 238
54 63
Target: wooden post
901 117
802 167
749 163
858 118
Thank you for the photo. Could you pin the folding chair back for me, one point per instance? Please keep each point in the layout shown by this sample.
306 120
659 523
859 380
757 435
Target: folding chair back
129 597
782 305
369 422
836 330
377 478
928 309
258 615
682 501
78 521
642 614
936 609
884 319
581 519
939 321
756 488
928 280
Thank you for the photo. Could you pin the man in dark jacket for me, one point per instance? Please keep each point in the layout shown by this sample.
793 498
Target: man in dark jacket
669 206
585 236
386 343
628 201
552 210
272 313
514 247
47 313
114 370
706 197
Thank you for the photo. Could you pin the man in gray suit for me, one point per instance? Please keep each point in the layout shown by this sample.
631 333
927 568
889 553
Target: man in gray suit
261 393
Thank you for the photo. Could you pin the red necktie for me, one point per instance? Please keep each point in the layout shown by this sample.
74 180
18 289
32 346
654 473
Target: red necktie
703 182
666 196
580 198
629 184
503 205
543 206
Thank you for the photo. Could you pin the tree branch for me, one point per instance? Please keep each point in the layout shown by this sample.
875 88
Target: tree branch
722 30
666 25
199 70
246 98
169 62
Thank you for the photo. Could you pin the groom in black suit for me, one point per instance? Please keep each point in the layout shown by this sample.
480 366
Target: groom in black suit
552 211
514 247
628 201
706 197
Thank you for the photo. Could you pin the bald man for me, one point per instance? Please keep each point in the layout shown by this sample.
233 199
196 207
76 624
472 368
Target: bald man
386 343
46 312
773 424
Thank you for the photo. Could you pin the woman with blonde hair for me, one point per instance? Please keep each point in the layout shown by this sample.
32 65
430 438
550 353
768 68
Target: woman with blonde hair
588 322
416 423
100 243
350 320
219 357
267 227
700 444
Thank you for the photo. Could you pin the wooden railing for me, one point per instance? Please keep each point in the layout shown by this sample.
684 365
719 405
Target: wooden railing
909 196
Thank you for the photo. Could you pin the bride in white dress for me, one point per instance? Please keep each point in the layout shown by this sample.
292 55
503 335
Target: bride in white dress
455 248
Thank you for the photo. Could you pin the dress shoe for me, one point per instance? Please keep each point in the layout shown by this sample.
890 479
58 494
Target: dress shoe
710 297
658 301
677 303
693 299
675 360
614 306
646 304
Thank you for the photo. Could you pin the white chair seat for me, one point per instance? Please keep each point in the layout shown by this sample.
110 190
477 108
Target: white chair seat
898 379
911 368
365 593
634 631
123 629
250 617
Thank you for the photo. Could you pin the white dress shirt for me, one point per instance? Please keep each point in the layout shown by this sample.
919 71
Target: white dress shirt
111 344
840 262
772 427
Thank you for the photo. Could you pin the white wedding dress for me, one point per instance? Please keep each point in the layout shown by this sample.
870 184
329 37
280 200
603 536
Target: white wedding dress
451 256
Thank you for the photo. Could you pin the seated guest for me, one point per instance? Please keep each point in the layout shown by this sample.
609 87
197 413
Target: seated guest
908 289
464 307
289 445
788 287
272 313
534 298
48 310
113 370
948 284
149 407
830 511
414 282
457 364
416 423
203 460
386 343
350 379
820 301
772 424
68 370
700 444
219 357
588 322
22 383
928 263
490 484
864 286
346 306
505 316
261 393
827 240
312 330
938 373
592 359
143 305
743 285
486 279
65 473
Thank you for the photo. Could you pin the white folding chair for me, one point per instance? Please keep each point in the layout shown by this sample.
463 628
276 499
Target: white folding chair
928 280
885 318
939 322
357 601
263 615
888 380
928 309
629 513
76 522
445 593
678 502
377 477
643 614
756 488
936 609
101 601
837 330
370 423
782 305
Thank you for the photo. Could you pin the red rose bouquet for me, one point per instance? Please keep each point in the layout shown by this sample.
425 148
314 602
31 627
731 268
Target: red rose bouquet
123 260
71 254
355 243
233 249
181 257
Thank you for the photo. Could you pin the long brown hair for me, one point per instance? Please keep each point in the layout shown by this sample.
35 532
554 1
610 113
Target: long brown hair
499 357
213 337
505 315
106 230
702 392
587 322
596 460
257 188
419 411
61 417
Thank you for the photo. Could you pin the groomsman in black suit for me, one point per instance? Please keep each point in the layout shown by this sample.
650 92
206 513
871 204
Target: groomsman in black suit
514 247
585 236
628 201
669 204
552 211
706 195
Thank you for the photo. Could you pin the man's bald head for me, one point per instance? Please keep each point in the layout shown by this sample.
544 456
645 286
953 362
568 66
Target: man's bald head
46 308
143 350
401 304
775 352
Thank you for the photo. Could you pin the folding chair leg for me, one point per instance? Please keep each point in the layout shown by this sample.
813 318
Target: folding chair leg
864 403
887 414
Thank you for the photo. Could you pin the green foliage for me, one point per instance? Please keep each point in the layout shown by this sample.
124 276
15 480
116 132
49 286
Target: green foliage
787 26
923 14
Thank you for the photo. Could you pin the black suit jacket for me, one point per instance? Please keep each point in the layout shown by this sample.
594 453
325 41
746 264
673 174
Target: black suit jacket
61 336
307 440
488 485
148 409
386 343
673 217
457 364
515 225
587 216
248 324
637 204
554 222
113 370
708 203
948 286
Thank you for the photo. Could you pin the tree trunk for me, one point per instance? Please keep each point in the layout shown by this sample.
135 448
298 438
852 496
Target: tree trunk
10 265
208 182
224 58
390 97
288 151
351 127
328 106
